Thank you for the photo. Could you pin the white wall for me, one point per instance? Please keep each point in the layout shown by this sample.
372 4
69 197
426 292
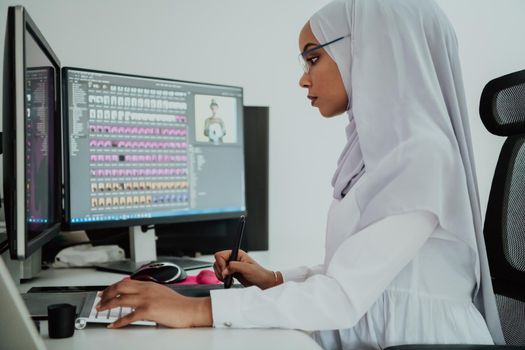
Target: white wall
254 44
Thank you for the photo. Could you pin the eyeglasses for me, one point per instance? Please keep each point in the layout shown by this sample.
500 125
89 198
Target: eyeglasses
306 64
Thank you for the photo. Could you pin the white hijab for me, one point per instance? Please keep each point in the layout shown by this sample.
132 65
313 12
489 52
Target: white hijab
409 128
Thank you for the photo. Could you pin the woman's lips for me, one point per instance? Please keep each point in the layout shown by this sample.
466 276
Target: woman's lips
312 99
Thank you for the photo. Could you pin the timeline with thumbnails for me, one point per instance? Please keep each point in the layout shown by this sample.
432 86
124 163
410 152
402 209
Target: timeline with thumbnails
146 142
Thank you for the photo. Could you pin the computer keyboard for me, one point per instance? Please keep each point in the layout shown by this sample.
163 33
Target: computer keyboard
85 300
111 315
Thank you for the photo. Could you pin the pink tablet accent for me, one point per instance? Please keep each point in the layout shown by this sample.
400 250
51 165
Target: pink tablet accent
203 277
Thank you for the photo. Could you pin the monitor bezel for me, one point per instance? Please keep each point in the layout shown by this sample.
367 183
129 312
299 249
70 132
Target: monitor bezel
20 246
68 225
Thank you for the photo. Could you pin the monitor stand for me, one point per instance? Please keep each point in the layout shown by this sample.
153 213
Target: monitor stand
25 269
143 250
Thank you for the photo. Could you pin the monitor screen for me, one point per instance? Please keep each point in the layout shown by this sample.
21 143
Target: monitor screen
146 150
31 132
40 152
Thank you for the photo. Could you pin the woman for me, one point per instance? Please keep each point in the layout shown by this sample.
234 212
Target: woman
404 260
214 128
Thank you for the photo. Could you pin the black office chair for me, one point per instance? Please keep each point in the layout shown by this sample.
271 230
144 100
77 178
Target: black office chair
502 110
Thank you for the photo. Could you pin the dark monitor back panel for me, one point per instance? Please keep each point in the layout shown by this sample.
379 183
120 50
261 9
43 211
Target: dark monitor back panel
256 158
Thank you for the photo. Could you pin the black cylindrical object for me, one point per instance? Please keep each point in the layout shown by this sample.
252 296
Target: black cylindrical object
61 320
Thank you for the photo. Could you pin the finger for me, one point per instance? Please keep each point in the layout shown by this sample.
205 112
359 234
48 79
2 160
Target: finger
224 254
237 267
244 257
127 300
124 321
217 271
122 287
221 262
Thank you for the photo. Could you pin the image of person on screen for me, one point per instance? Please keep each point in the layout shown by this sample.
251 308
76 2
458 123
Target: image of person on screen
214 128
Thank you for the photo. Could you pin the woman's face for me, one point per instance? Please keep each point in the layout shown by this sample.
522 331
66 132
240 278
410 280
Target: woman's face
325 86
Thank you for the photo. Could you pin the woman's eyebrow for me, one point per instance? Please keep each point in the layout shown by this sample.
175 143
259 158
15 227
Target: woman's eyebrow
308 45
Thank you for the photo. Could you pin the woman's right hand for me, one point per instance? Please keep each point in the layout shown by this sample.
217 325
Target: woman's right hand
245 269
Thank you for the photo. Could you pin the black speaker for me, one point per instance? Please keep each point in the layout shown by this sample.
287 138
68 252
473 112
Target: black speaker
207 237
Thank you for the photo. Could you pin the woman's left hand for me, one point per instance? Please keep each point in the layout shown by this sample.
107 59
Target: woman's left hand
155 302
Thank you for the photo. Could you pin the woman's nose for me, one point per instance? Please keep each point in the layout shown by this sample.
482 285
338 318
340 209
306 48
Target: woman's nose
305 81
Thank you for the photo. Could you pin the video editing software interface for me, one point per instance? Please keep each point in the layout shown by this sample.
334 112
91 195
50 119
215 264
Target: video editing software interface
150 148
39 121
40 159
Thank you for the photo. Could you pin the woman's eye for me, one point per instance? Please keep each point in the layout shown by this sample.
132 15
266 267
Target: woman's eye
312 60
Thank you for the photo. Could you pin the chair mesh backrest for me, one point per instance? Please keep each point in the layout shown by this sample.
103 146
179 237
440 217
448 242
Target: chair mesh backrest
502 110
502 105
512 316
505 236
510 106
513 229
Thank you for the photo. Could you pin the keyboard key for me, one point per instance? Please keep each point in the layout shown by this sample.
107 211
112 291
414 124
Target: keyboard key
114 313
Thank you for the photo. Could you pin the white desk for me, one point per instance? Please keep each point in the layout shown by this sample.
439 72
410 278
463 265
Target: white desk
100 338
97 337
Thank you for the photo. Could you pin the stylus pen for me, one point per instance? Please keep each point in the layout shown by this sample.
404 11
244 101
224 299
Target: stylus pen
228 280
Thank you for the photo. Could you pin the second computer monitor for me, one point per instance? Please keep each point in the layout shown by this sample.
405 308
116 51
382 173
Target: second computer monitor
31 137
142 150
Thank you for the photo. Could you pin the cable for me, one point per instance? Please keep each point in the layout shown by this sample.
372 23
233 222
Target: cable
146 228
4 246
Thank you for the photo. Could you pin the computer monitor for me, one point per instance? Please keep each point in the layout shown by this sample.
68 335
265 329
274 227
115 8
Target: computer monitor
141 150
31 137
207 237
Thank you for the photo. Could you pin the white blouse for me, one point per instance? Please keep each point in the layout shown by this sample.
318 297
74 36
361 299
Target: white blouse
398 281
